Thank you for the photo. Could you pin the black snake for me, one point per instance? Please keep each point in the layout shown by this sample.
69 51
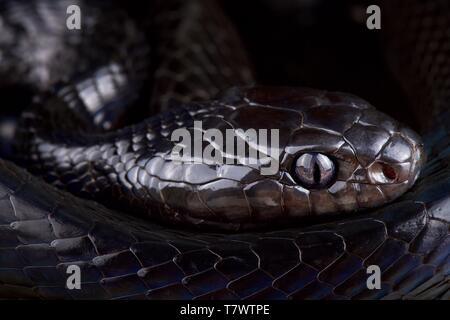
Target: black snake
338 154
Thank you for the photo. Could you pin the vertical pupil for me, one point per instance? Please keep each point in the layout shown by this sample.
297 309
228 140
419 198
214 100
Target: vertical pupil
314 170
316 173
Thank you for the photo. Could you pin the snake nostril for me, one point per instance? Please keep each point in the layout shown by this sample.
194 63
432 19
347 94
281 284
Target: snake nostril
389 172
383 173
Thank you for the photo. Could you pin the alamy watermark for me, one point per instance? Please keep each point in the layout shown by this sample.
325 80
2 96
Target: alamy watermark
73 21
247 147
374 280
373 22
73 281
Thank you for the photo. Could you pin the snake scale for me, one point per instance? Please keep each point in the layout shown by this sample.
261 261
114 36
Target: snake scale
153 229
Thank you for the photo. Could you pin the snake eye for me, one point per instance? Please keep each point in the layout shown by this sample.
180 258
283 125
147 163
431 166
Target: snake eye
314 170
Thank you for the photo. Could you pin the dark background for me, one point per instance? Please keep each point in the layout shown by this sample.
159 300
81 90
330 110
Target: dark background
323 44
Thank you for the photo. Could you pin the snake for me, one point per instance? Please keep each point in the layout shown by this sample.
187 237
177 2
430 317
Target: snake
93 181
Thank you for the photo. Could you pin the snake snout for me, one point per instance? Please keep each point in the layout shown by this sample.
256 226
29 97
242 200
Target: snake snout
400 160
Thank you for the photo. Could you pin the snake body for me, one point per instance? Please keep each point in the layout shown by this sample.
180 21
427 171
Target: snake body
125 256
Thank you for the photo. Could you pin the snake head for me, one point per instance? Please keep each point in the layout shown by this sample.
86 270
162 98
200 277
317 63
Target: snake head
336 152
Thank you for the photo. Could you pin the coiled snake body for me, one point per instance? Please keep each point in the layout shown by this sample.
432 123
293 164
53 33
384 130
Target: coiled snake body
338 155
